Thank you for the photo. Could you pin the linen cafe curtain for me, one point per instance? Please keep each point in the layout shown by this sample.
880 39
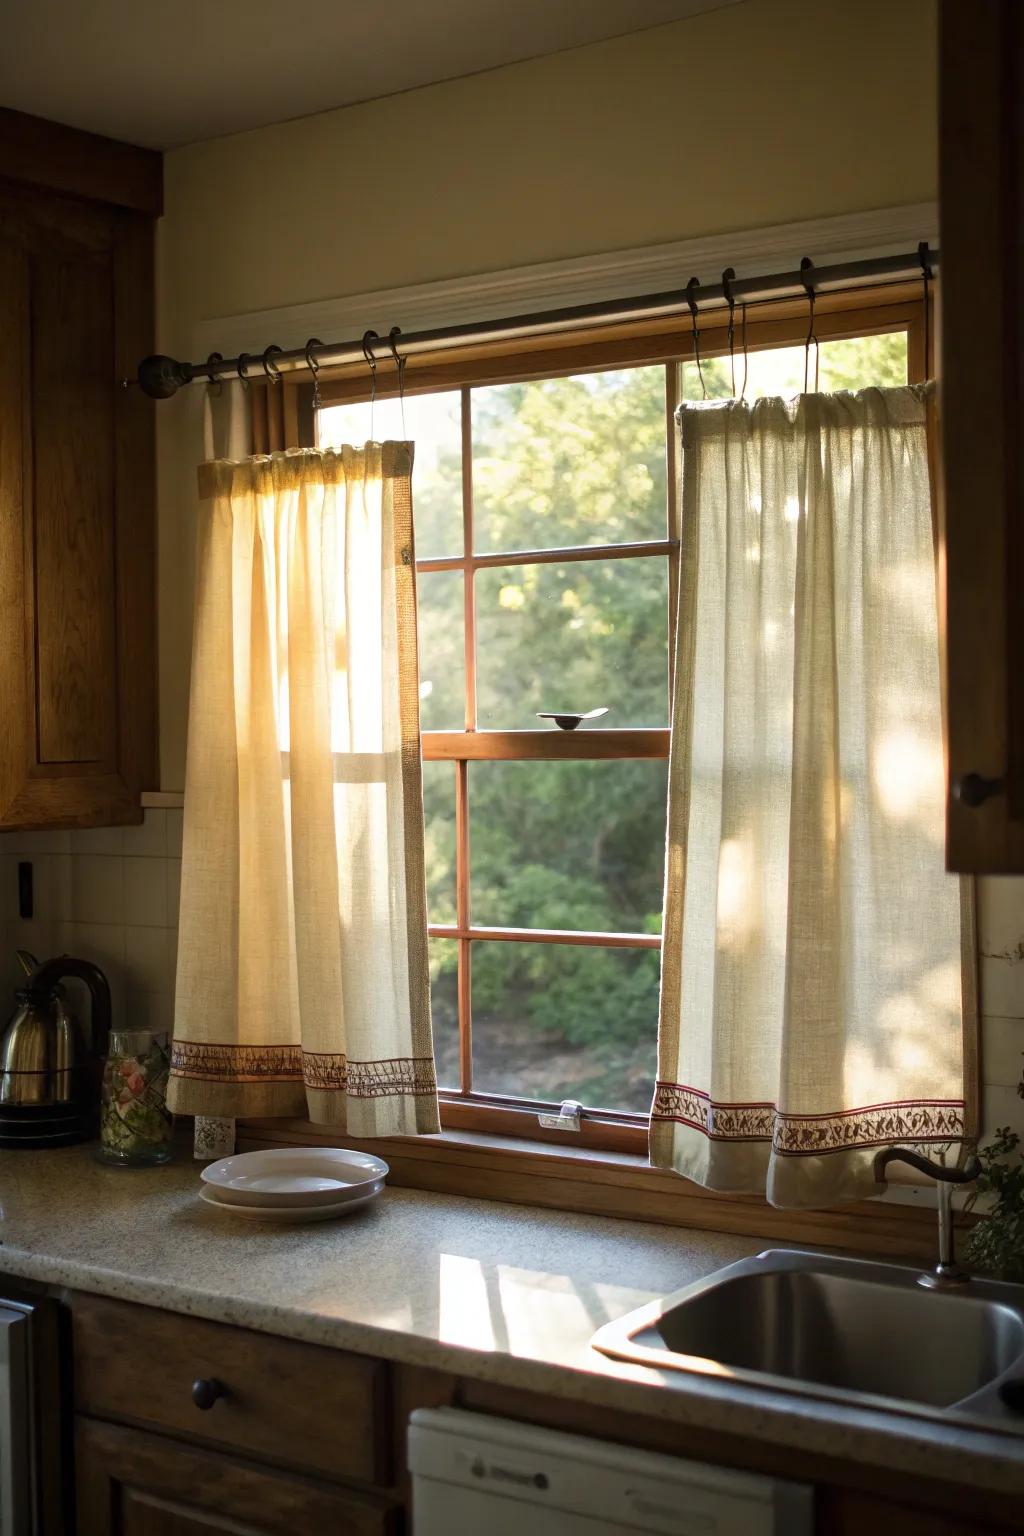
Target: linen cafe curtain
814 1006
302 982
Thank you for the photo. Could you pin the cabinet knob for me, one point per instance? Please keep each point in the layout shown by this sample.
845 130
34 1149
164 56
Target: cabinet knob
973 789
205 1392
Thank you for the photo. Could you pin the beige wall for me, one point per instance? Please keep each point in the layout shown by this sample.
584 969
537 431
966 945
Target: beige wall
762 113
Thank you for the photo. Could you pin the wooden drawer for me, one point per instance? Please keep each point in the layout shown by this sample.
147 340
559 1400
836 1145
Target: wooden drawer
295 1404
130 1483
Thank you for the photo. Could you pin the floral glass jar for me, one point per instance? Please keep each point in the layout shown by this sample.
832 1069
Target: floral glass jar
135 1123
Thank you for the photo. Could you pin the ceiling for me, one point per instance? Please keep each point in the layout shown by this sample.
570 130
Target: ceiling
168 72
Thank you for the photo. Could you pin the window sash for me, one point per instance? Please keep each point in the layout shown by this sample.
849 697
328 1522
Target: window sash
780 324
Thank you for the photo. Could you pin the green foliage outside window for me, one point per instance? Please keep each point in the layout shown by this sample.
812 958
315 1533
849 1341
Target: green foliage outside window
562 462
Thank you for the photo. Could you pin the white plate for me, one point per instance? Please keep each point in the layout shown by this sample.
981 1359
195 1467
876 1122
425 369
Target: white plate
289 1212
296 1177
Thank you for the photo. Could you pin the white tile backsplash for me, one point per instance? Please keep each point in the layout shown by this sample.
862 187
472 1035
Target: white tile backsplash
1001 1105
106 840
106 894
1002 987
1001 978
145 892
1000 914
146 958
1002 1050
175 823
37 842
97 886
148 839
51 886
173 867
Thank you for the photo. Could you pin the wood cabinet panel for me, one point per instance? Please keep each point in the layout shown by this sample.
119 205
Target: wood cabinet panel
45 154
77 510
298 1405
842 1512
982 401
134 1484
72 530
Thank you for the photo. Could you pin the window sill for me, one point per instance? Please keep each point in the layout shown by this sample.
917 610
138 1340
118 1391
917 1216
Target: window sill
621 1185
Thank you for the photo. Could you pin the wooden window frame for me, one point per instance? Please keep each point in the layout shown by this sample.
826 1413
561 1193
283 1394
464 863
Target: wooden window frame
844 314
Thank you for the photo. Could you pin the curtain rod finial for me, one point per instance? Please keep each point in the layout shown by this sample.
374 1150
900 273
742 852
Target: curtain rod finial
160 377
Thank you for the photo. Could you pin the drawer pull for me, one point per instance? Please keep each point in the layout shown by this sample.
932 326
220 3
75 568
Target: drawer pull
205 1392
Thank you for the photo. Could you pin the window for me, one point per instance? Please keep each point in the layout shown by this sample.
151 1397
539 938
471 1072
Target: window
547 549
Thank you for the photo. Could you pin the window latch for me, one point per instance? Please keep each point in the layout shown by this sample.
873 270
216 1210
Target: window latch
567 1119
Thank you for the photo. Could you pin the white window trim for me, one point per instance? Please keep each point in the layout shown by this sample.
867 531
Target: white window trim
578 280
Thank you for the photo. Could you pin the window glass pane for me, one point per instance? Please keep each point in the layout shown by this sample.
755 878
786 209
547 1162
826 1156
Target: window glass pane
442 650
557 1021
434 424
854 362
573 636
568 845
444 1007
570 461
439 840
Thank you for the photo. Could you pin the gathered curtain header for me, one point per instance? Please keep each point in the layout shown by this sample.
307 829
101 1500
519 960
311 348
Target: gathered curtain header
276 473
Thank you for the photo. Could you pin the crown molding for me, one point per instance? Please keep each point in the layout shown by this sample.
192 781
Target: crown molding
578 280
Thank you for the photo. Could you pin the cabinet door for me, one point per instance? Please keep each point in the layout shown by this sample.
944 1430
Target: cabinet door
982 407
77 542
134 1484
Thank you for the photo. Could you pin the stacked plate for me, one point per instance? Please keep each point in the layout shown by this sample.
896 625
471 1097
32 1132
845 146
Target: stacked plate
293 1183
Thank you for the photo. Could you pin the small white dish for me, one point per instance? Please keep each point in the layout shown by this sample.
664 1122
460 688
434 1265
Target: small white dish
292 1213
291 1177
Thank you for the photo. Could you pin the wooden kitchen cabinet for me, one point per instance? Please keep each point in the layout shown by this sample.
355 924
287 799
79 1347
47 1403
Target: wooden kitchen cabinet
313 1439
130 1483
77 481
321 1411
982 410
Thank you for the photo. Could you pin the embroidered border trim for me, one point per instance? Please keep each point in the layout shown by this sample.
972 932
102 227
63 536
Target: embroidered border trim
390 1077
918 1120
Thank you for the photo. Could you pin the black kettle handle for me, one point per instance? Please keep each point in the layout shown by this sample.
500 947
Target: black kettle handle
47 975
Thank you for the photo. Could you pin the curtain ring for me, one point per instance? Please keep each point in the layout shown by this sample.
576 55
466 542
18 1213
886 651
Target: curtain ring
314 368
368 337
270 368
806 269
244 359
214 387
927 274
743 390
400 363
728 277
693 284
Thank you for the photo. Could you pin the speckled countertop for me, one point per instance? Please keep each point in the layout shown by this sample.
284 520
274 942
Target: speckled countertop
503 1293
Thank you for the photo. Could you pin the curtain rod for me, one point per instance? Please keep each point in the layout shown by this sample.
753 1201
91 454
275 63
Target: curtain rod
160 377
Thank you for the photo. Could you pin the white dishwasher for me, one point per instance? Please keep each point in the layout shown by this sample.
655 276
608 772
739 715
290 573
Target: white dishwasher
477 1476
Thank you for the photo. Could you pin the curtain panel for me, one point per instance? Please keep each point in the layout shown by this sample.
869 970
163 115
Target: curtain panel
815 1005
302 982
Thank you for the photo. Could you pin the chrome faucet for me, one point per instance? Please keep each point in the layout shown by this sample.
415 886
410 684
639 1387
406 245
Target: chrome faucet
947 1272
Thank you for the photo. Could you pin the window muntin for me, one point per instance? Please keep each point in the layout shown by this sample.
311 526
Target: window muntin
568 461
480 966
572 636
565 1021
545 853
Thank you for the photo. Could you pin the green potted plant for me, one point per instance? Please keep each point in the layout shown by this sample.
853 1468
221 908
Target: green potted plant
996 1244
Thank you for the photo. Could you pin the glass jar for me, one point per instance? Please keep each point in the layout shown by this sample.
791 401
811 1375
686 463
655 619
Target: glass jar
135 1123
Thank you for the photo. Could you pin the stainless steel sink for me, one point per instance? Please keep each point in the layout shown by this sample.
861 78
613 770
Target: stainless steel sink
843 1329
